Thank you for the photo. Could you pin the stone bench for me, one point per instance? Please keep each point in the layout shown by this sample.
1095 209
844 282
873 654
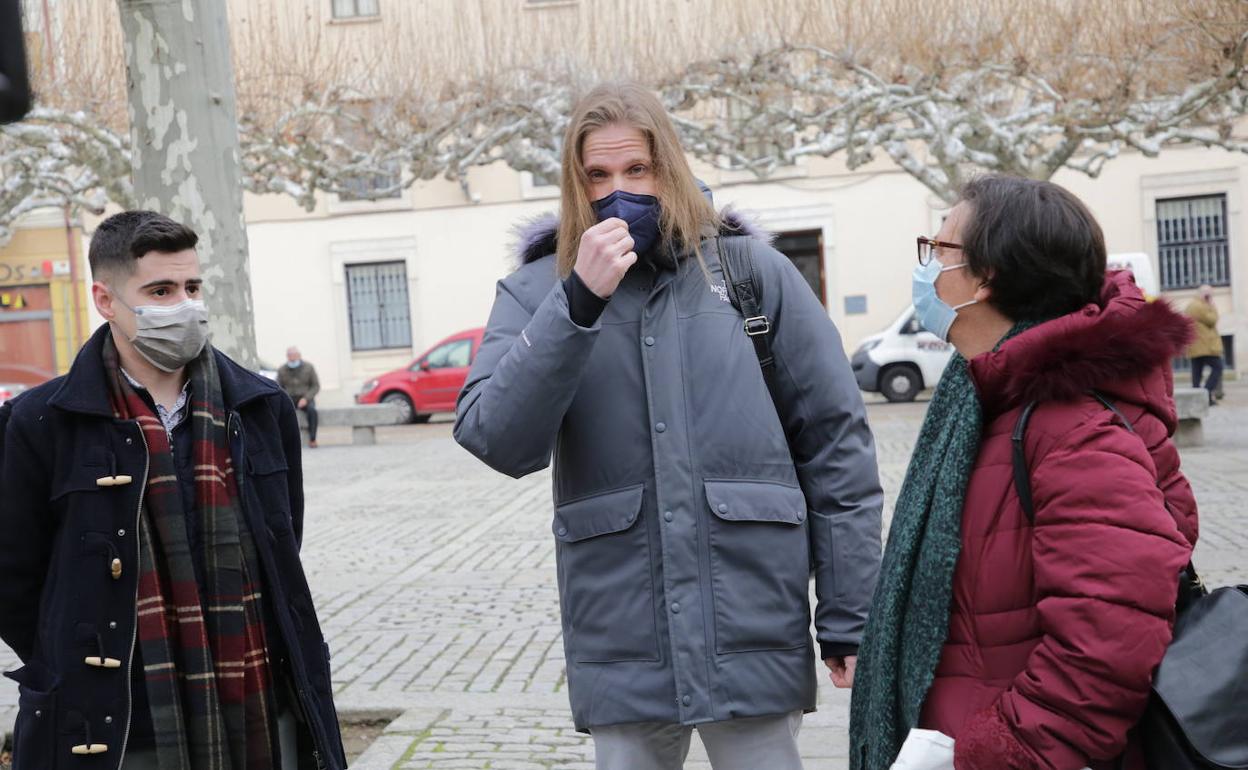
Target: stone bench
1193 408
363 420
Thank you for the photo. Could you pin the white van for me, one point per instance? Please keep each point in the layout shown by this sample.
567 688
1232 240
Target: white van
902 360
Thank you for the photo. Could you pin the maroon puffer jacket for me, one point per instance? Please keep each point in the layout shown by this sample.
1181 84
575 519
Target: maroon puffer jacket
1056 628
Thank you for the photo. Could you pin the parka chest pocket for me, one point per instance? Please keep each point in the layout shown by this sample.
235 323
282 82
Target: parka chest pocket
760 565
605 583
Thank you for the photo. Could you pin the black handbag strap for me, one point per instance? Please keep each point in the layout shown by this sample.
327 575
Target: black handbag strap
1022 475
1191 585
745 291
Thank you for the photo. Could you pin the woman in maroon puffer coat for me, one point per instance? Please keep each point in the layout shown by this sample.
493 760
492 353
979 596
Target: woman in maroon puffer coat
1032 645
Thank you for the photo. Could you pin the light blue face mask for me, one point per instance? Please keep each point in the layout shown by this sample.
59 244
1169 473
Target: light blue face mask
933 313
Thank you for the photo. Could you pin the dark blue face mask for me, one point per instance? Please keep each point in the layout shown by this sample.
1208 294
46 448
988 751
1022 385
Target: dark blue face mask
641 212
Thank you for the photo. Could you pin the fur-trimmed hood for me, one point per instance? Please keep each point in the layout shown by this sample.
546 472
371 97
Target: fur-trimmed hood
1121 346
537 237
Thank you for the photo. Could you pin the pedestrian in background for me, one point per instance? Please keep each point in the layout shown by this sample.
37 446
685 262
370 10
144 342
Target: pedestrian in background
690 509
1206 350
1031 641
298 378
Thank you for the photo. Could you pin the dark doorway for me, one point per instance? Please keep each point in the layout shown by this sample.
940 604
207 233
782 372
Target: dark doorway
805 249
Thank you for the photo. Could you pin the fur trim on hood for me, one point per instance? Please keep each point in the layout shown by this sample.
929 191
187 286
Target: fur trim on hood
537 237
1117 345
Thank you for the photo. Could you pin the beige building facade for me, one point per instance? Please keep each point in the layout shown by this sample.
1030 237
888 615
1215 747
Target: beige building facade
852 234
364 287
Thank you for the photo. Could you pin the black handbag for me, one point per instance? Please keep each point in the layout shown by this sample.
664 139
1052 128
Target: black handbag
1197 714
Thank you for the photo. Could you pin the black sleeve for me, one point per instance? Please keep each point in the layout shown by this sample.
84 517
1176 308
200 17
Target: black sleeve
837 650
26 521
584 306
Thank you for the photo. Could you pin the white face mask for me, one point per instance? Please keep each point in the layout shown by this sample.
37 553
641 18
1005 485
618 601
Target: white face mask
170 336
934 313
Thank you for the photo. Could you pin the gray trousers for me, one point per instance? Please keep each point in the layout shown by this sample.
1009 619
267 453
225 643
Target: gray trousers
759 743
146 760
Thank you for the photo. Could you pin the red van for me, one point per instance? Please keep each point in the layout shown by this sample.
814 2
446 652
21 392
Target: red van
431 383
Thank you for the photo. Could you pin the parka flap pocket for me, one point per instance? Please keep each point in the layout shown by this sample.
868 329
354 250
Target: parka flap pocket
85 476
262 461
601 514
766 501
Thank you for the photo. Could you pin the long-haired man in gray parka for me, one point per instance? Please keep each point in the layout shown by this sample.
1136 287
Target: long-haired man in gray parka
690 506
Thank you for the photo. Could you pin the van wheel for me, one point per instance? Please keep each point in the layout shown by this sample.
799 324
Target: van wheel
406 412
900 382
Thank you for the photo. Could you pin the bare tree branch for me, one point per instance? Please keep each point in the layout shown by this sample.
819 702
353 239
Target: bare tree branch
942 88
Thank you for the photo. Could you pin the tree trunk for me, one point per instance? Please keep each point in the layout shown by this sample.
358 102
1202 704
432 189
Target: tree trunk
184 131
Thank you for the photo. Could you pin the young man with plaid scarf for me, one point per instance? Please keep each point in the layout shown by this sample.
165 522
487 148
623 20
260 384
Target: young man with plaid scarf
152 508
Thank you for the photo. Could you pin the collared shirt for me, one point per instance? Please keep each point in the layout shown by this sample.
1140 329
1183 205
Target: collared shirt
170 418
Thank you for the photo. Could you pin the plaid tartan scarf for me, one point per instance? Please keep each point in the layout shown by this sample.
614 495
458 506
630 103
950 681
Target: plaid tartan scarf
205 660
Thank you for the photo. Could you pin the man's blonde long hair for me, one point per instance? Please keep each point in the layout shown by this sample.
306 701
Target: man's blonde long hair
687 217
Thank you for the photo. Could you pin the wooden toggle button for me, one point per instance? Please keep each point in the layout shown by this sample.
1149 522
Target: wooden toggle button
96 661
83 749
114 569
113 481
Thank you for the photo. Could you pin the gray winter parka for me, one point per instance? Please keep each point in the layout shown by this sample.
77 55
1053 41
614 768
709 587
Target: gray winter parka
689 510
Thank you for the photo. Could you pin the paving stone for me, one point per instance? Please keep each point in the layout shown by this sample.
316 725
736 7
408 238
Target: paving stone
435 581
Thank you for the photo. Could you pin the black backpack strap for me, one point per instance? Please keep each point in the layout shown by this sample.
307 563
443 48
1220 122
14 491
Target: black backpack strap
745 291
1105 402
1022 475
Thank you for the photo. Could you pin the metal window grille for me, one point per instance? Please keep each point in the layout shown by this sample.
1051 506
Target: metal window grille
1192 243
378 306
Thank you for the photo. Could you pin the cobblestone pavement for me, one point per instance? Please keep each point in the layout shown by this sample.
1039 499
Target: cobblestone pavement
434 579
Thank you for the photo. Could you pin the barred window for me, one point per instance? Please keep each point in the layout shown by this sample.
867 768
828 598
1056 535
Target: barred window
378 306
1192 243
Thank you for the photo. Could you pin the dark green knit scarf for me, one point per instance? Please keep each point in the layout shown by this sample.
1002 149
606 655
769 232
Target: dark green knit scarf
910 611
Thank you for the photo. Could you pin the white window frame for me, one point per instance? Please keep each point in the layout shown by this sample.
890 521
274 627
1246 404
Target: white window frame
405 284
355 17
343 253
1219 199
1193 184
